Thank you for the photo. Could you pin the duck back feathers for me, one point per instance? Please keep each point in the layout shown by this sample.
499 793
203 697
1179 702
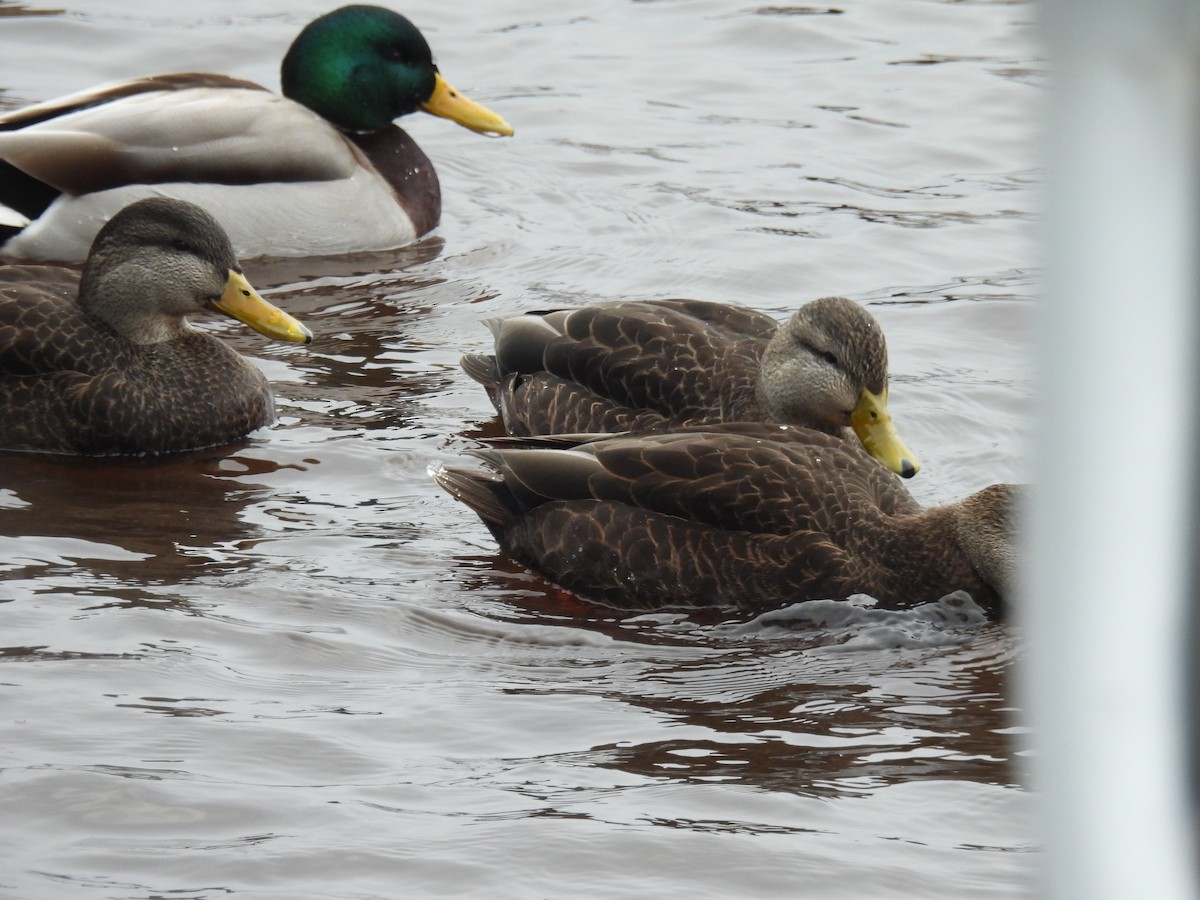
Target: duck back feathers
633 364
638 365
751 516
70 384
106 362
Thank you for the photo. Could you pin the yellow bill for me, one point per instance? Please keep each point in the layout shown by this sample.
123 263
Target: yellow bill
872 423
243 303
450 104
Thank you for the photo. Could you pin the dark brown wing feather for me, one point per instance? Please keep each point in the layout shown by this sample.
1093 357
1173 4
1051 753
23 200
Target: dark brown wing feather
734 321
611 553
542 403
748 515
68 384
757 478
42 328
633 364
651 356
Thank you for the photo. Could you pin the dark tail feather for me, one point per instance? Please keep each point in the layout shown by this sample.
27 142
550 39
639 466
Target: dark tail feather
484 492
482 368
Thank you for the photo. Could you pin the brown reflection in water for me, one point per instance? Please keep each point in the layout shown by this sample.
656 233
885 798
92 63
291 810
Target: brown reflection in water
484 431
786 712
362 366
40 652
172 706
164 510
825 739
295 271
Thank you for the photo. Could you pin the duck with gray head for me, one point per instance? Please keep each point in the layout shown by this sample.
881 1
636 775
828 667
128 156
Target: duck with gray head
752 516
637 365
106 362
320 170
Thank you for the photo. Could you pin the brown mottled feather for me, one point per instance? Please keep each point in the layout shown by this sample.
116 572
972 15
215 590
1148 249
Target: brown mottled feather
70 383
634 365
749 515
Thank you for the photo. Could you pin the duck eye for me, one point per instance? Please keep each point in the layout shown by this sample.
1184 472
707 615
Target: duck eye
181 245
830 358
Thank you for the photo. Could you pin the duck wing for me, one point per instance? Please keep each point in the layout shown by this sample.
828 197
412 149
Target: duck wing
190 128
746 477
107 93
630 364
542 404
43 331
734 321
652 356
748 515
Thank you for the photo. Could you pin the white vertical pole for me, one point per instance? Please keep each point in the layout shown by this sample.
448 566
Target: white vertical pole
1105 603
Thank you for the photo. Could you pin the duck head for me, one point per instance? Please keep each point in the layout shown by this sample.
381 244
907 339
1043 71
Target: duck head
159 260
826 368
361 67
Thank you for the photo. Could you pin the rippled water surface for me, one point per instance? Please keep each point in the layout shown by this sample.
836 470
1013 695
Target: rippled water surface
295 668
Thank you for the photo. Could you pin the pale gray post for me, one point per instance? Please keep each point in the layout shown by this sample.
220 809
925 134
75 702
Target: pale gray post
1105 602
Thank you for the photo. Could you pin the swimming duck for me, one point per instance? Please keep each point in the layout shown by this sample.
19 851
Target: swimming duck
320 170
748 515
635 365
106 363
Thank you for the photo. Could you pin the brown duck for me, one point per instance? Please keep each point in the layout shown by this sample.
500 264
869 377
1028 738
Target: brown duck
753 516
106 362
636 365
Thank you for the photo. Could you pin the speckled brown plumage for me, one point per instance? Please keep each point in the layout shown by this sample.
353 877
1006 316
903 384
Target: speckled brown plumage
751 516
633 365
73 382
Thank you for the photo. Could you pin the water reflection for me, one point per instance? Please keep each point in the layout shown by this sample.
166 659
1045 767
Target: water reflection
364 369
272 658
785 711
380 268
798 721
162 513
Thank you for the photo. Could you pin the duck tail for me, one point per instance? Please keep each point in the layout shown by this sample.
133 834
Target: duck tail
484 492
482 367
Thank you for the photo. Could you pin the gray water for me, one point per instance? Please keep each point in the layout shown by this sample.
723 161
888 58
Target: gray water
295 668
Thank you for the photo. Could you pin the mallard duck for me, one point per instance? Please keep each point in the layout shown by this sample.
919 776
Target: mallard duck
106 362
635 365
747 515
320 170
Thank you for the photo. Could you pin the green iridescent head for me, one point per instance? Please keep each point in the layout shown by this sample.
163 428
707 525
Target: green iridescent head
361 67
